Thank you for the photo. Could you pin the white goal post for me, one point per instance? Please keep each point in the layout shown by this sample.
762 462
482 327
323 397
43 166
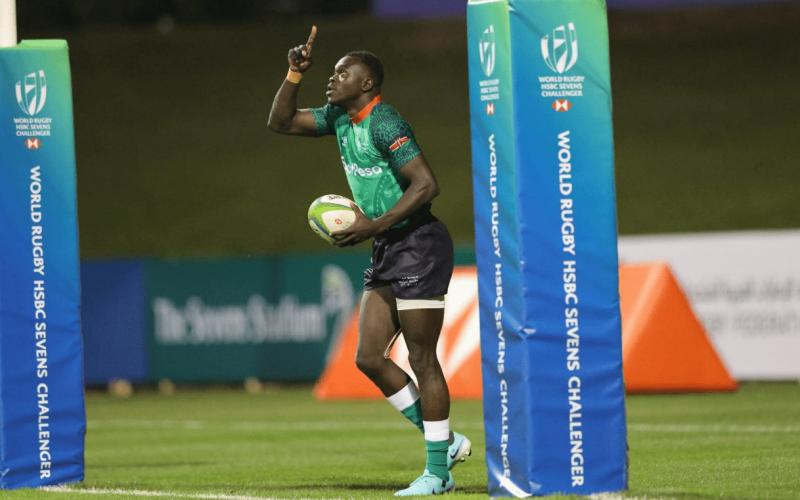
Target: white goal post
8 23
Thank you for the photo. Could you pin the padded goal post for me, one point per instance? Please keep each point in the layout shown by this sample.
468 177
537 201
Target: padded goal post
42 416
546 247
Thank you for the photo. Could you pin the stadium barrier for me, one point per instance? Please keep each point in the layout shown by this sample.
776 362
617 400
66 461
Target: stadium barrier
665 347
231 319
746 303
744 286
113 320
218 320
221 320
458 349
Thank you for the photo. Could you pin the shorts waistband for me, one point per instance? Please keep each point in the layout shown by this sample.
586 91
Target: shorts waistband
415 221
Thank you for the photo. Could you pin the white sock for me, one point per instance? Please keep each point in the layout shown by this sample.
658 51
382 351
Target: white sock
405 397
437 431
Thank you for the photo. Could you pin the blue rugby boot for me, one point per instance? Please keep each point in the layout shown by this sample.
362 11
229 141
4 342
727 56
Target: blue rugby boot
428 484
459 450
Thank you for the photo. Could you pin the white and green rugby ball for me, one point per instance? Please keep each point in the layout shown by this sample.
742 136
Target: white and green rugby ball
330 213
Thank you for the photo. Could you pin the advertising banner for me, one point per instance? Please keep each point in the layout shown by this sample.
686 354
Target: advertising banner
42 417
745 287
112 316
271 317
227 320
546 248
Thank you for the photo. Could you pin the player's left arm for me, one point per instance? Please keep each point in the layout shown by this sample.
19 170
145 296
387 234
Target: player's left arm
421 190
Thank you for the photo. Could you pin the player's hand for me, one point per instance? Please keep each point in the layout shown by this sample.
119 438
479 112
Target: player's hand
361 229
300 56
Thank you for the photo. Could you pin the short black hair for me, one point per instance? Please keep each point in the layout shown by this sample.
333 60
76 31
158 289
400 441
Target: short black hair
372 62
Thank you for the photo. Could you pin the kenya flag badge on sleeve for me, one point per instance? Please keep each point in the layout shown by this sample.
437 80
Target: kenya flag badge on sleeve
397 143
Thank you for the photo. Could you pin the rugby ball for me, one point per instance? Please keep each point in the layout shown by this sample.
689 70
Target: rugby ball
330 213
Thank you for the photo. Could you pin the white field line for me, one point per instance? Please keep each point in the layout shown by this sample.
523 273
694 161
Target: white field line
219 496
615 496
200 425
715 428
145 493
400 424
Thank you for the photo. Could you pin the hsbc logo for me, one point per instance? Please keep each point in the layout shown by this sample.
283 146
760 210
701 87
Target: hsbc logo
33 143
560 48
562 105
490 109
486 51
32 93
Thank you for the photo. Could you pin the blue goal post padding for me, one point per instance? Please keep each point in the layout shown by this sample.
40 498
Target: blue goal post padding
546 247
42 416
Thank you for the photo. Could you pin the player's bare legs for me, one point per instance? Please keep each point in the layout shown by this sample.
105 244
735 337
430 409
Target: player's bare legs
421 328
377 323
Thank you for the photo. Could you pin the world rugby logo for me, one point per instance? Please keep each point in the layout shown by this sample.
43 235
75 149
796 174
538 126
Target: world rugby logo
560 49
32 93
487 51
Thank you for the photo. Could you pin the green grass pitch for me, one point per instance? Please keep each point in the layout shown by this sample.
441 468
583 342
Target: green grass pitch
282 444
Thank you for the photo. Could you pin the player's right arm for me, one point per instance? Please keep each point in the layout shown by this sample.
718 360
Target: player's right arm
284 117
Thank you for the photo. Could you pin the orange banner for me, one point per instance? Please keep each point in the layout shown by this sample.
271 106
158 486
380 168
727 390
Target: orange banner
665 347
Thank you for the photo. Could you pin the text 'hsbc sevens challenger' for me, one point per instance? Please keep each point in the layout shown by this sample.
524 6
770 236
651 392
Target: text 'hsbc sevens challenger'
560 53
31 93
42 419
545 221
489 87
494 181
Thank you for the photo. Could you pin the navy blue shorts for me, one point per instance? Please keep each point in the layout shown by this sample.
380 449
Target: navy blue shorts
416 260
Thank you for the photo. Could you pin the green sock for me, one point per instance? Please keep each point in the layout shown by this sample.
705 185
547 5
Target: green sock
414 413
437 458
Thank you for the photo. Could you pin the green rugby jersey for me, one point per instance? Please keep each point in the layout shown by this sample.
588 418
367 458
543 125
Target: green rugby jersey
374 145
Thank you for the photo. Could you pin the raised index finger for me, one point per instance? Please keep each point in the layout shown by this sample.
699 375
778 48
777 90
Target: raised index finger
311 38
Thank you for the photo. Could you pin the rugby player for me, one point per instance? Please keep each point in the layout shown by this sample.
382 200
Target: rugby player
412 252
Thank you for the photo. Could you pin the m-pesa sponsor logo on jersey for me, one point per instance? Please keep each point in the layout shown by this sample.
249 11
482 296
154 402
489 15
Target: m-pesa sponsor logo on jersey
31 94
560 54
354 169
489 88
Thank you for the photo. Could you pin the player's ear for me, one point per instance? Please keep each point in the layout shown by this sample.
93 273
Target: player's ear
367 85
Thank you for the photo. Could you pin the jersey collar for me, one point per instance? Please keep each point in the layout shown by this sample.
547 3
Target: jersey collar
359 117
